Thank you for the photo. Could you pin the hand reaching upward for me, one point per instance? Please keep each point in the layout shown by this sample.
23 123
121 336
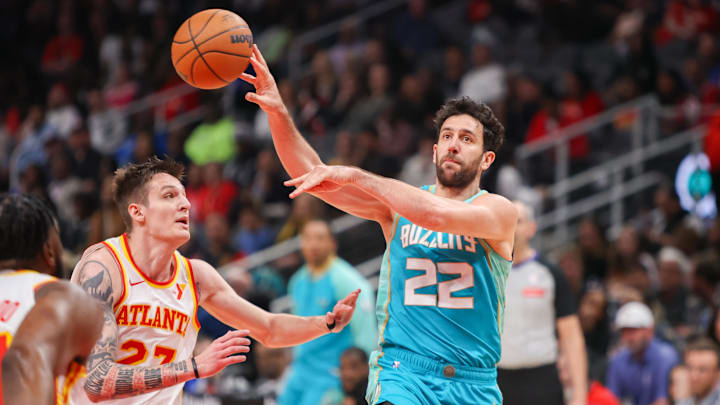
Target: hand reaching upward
266 93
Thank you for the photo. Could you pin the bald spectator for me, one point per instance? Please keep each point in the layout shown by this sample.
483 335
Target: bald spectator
639 373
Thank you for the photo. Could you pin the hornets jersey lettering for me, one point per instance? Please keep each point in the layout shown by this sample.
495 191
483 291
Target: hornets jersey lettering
157 322
441 295
17 298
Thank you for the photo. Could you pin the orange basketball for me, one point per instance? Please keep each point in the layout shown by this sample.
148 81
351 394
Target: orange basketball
211 48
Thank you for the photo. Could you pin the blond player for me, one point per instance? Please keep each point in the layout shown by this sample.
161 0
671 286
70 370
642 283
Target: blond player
151 294
49 325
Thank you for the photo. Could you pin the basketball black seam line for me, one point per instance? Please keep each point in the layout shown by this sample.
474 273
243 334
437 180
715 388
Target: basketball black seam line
212 37
201 29
201 55
192 71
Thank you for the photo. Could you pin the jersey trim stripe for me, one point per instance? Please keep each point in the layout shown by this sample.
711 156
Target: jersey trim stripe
116 256
154 283
76 371
191 277
18 272
43 283
387 304
490 266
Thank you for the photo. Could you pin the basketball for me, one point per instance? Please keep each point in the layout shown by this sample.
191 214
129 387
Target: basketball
211 48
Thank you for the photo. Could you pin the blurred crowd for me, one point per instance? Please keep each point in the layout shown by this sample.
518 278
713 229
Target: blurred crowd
76 69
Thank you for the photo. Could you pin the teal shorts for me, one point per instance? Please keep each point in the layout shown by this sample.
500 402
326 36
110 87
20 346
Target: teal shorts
405 378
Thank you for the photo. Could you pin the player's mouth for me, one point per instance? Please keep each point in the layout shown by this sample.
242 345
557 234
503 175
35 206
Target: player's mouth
185 221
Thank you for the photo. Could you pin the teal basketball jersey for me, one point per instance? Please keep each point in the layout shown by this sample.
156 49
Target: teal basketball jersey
441 295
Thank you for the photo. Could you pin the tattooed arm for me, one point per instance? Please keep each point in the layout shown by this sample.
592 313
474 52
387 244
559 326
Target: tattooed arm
98 275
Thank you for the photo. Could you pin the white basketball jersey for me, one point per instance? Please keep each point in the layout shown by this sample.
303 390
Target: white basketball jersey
157 322
17 297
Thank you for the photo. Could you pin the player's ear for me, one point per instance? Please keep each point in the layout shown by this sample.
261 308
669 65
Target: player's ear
487 159
50 255
435 153
137 214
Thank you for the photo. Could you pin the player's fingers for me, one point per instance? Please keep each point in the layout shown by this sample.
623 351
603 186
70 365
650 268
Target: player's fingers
233 350
296 193
236 341
260 69
330 317
222 339
233 360
248 78
296 180
252 97
352 297
256 51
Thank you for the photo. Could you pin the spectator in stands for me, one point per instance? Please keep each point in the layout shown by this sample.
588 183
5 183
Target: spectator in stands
667 217
571 263
640 372
485 81
107 127
313 288
594 249
595 325
63 52
415 34
419 169
63 185
702 359
304 209
122 88
706 282
627 254
272 371
86 160
216 194
214 139
105 222
267 184
679 309
539 299
453 71
219 251
364 112
353 378
253 233
62 115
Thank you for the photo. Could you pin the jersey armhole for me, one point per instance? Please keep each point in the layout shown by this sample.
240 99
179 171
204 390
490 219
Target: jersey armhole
191 279
123 276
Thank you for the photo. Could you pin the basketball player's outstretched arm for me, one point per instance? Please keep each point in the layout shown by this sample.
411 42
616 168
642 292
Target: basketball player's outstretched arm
489 216
272 330
296 155
98 274
60 329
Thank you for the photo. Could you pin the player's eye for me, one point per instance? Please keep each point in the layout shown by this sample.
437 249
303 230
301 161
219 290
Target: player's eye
168 195
466 138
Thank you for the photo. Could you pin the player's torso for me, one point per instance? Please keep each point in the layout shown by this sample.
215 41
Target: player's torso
157 322
17 298
442 295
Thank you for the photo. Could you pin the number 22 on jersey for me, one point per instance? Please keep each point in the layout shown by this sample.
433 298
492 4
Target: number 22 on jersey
443 298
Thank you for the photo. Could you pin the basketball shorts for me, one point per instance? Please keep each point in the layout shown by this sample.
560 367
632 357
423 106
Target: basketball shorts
405 378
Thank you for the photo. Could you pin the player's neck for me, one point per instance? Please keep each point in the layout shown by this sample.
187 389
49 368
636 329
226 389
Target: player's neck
523 253
321 268
36 265
151 255
457 193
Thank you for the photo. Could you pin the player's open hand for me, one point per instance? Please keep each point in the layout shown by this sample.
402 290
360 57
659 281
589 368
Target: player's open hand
266 94
343 311
222 352
321 179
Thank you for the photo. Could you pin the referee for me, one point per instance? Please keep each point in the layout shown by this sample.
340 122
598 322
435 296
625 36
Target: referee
539 317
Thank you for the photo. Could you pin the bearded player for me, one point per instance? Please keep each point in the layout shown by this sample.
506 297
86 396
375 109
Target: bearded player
441 292
150 295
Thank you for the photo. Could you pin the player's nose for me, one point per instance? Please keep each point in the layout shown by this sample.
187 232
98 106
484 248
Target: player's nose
184 203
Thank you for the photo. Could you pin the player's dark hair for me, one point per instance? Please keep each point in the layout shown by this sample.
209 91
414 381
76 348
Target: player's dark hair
358 352
25 223
493 131
130 180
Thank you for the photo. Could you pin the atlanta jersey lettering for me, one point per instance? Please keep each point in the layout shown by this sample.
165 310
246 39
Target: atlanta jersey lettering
157 322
